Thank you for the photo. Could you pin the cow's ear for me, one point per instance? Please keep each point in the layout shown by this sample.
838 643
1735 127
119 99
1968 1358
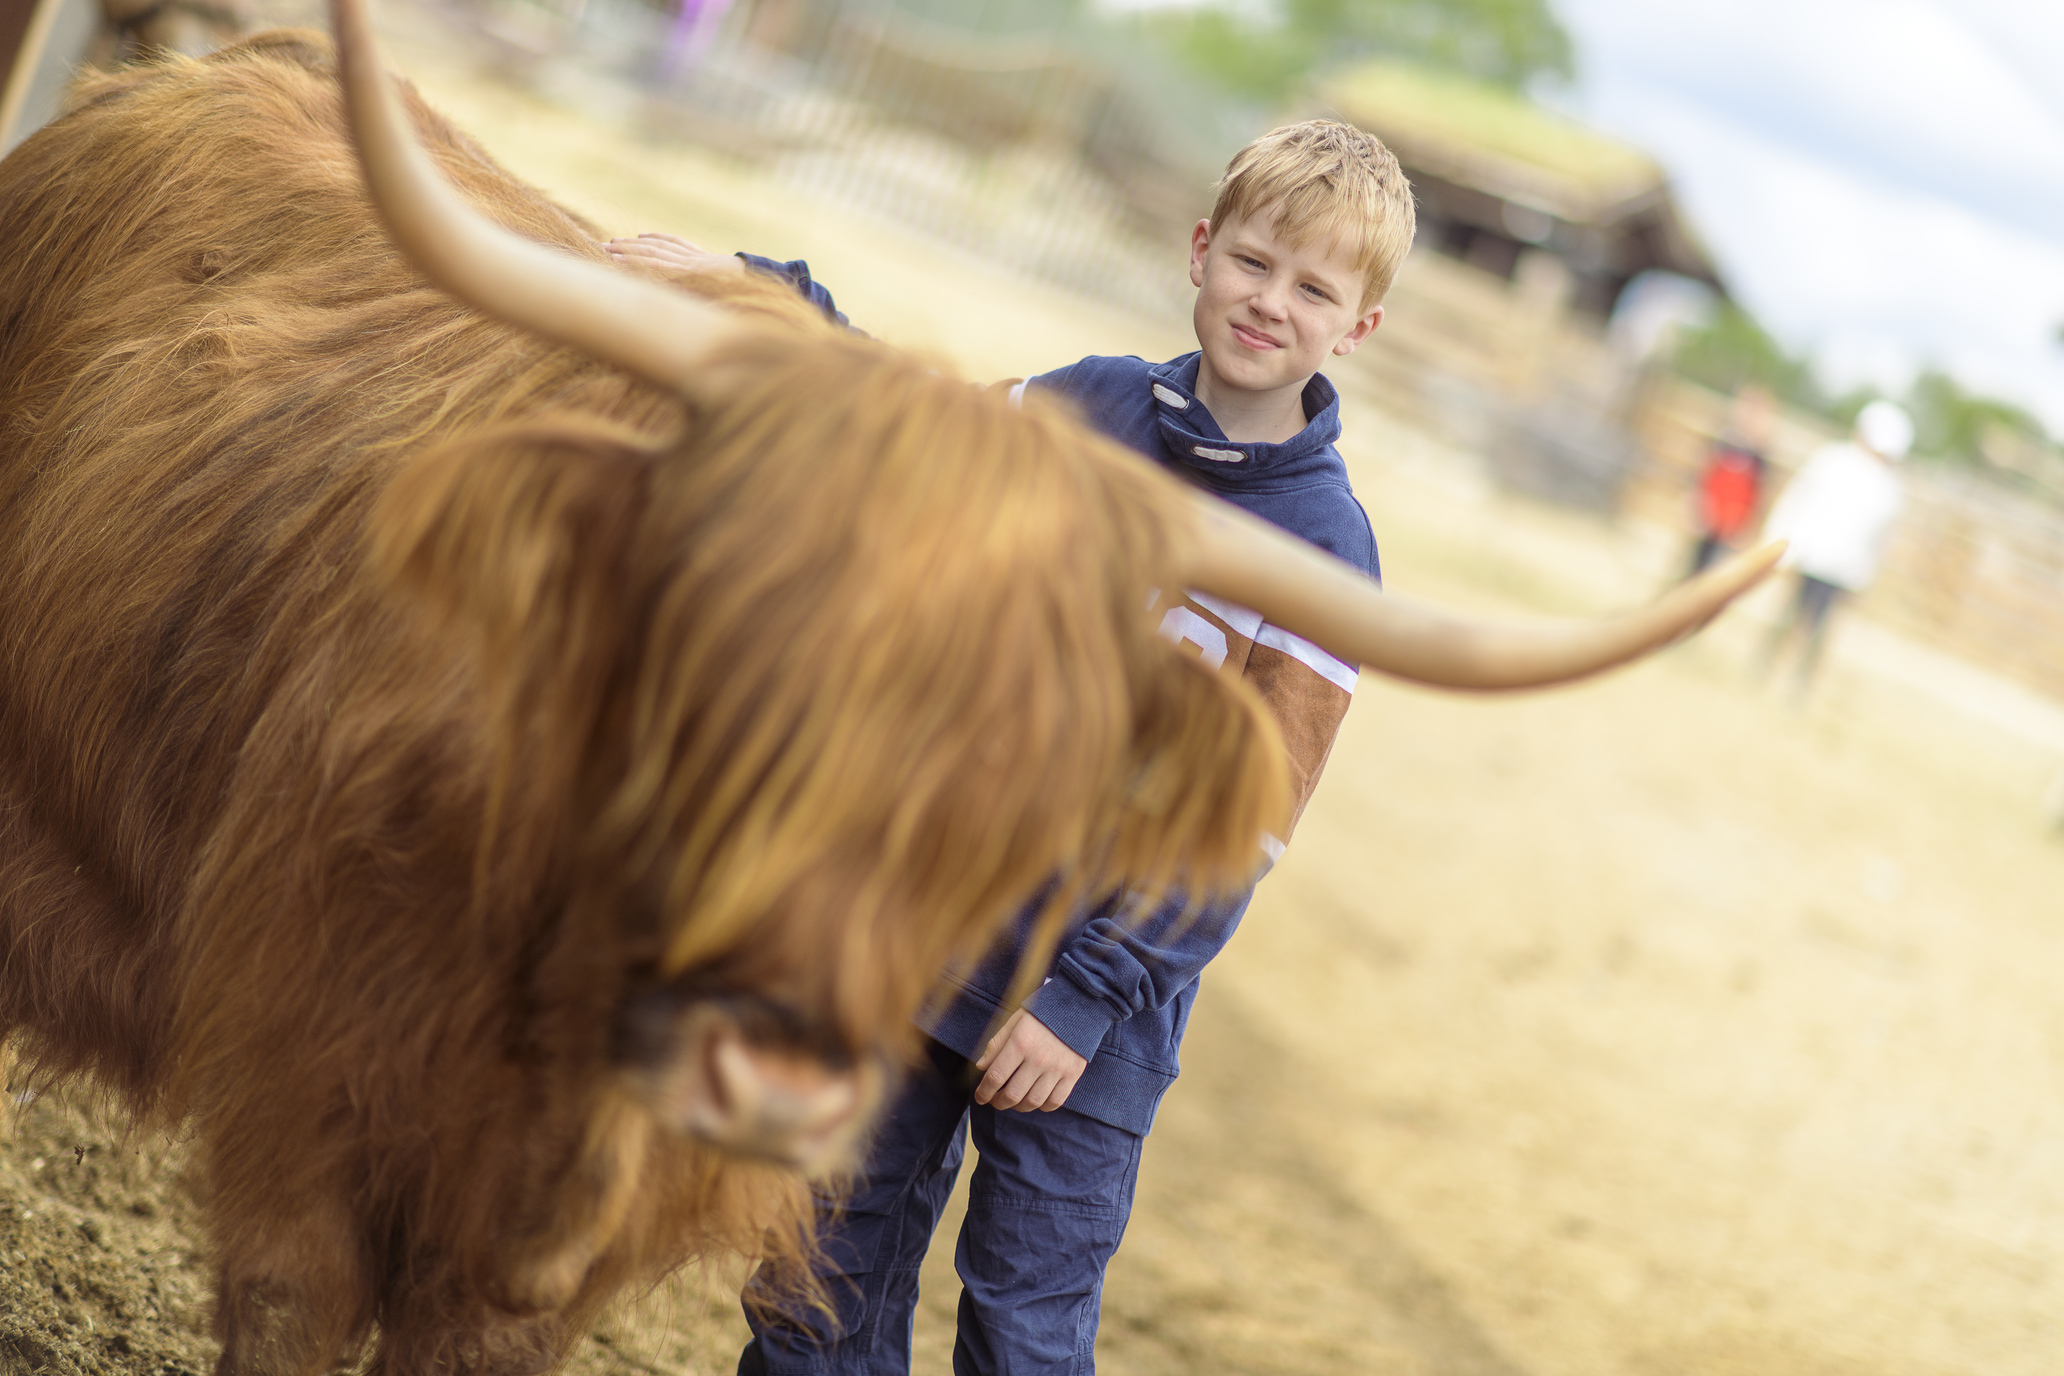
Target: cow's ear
512 553
518 544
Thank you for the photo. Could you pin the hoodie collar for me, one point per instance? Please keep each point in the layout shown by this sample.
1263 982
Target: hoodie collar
1195 439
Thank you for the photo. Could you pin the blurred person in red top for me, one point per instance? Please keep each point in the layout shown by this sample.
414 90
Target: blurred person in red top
1730 488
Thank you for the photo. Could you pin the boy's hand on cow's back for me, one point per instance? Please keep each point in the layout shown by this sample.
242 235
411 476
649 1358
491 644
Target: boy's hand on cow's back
670 251
1028 1067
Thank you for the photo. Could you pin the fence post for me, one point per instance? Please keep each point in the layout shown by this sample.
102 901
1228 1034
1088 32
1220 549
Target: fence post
24 31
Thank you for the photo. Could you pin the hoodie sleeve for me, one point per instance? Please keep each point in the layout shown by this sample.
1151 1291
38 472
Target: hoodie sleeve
796 273
1124 963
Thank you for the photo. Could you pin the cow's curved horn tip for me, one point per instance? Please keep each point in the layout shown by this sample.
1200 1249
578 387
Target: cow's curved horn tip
1743 571
1766 556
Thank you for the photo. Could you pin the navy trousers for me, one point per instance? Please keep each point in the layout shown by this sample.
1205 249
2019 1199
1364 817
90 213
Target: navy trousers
1047 1205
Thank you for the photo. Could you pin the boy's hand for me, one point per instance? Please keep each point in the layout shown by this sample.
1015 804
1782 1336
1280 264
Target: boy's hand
1028 1067
671 251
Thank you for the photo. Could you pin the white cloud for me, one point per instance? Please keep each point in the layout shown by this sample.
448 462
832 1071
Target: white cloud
1904 89
2028 37
1879 182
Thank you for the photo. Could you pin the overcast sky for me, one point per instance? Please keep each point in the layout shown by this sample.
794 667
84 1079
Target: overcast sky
1882 181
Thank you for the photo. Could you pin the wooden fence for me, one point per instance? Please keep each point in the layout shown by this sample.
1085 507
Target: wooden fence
1974 567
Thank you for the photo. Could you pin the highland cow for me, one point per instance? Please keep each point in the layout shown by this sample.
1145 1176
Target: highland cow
507 798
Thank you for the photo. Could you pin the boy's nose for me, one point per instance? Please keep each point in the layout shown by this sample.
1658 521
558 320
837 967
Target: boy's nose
1270 302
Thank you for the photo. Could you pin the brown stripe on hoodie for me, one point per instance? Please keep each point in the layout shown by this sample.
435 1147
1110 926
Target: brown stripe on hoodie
1306 689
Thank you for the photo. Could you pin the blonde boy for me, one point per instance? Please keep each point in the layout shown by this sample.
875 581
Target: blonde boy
1311 223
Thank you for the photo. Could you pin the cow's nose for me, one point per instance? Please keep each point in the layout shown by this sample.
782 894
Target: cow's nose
775 1103
786 1108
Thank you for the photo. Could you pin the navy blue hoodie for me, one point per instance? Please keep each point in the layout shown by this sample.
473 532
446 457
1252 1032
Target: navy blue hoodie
1122 984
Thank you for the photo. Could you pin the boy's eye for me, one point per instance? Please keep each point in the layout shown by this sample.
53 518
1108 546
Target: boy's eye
1316 293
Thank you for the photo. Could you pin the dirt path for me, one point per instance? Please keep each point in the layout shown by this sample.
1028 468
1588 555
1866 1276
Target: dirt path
1649 1026
1645 1027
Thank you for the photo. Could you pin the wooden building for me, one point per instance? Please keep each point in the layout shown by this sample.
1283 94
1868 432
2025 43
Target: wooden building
1497 174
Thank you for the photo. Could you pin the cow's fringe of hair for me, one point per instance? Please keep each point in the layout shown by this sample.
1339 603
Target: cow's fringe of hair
382 690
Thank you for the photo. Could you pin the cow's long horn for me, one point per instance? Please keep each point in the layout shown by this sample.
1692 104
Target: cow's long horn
606 313
1312 594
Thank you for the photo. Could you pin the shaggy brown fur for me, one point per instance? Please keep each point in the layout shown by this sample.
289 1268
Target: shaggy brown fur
400 717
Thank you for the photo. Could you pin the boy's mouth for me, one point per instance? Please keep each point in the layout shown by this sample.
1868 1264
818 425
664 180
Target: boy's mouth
1254 339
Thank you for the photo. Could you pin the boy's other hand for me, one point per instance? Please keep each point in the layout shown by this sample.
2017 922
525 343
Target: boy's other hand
1028 1067
672 251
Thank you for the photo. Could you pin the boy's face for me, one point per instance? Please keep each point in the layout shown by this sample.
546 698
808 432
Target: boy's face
1268 315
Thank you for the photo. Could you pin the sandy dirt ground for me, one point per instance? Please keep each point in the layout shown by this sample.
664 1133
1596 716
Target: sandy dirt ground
1645 1027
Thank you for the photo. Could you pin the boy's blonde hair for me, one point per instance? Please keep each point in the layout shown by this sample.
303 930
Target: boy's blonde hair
1334 184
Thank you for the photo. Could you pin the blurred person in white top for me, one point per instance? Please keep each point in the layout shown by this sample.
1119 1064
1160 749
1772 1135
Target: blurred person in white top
1837 514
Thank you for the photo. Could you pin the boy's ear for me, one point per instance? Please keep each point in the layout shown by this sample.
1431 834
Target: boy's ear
1200 241
1363 328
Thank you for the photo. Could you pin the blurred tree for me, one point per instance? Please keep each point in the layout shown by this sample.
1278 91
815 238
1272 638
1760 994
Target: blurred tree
1734 349
1261 62
1951 424
1511 42
1507 41
996 16
1844 409
1954 425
